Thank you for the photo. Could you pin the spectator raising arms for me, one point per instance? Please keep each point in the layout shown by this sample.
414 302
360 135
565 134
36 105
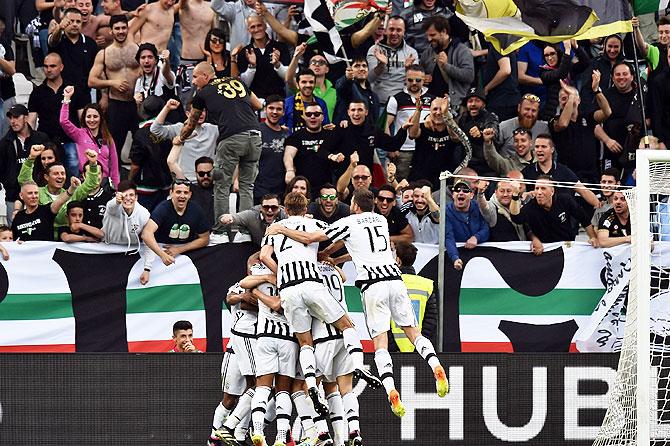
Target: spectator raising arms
93 134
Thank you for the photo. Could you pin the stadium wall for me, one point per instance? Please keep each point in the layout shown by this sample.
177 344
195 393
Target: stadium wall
159 399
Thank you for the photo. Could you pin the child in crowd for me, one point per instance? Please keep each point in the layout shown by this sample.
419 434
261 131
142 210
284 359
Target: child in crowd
76 230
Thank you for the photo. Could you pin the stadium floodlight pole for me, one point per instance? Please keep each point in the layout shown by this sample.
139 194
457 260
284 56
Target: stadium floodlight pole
645 136
440 259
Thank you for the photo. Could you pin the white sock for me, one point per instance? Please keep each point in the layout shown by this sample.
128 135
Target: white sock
350 403
242 428
321 424
284 411
308 365
353 344
241 411
385 369
271 410
220 415
425 348
337 418
259 407
306 414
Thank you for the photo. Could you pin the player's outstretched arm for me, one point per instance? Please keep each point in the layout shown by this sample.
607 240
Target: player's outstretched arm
334 247
251 282
299 236
271 301
344 258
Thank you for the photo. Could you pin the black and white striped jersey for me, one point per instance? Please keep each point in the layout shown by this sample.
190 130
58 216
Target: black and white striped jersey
331 279
367 239
270 323
296 261
244 321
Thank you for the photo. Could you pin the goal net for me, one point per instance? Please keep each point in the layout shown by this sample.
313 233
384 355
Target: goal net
639 408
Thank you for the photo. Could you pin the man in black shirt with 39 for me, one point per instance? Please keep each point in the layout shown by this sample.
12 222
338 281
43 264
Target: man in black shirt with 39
546 218
231 106
36 221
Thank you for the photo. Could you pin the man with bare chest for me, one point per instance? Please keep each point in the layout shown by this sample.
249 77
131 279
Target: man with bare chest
197 18
155 23
117 69
90 23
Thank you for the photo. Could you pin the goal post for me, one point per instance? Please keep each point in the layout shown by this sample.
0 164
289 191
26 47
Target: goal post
638 413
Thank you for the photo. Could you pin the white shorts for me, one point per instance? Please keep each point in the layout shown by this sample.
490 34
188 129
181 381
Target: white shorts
276 356
244 352
332 360
306 300
386 300
232 381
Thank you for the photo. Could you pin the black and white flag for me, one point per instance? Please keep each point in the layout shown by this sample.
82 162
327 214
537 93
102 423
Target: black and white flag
323 25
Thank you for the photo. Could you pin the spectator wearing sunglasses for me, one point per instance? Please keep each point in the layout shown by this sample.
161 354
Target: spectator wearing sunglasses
528 111
399 228
318 64
400 109
203 190
256 220
201 143
294 105
305 153
355 177
327 207
464 223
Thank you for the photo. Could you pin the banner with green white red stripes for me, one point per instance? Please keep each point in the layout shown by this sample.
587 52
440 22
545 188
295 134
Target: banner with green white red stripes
57 297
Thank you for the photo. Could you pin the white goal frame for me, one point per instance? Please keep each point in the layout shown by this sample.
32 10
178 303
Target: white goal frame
642 242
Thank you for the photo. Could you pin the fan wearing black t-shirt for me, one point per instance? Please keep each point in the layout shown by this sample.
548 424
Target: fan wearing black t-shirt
232 106
305 155
614 225
36 221
546 218
179 224
434 151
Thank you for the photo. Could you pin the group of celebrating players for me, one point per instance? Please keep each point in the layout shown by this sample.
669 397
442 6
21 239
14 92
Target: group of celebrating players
291 330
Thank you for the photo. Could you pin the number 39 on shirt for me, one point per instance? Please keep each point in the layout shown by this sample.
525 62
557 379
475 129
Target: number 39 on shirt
231 89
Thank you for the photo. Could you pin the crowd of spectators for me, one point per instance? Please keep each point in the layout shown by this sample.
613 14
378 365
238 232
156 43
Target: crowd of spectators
98 153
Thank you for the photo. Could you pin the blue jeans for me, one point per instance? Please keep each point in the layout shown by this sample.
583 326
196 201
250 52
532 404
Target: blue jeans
71 160
44 45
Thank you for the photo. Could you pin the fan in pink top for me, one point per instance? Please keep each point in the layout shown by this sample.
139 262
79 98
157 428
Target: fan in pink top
93 134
